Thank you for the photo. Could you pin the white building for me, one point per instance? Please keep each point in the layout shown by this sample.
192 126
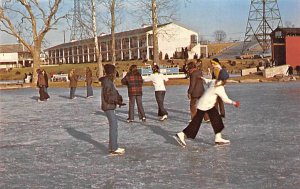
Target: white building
130 45
14 56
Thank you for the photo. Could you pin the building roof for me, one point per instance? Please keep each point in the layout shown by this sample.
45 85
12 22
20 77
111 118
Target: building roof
288 31
12 48
117 35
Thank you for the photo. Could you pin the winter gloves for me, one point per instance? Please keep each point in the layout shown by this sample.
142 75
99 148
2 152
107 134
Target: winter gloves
237 104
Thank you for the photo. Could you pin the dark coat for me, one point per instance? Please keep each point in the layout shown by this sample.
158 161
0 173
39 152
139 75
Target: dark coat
73 80
41 80
41 83
134 82
46 79
196 87
89 77
110 96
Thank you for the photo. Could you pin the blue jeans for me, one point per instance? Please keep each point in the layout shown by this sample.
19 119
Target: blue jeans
89 90
72 92
138 100
113 130
160 96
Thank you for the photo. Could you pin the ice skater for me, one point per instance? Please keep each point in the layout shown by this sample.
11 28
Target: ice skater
196 88
73 83
110 98
158 81
89 81
207 104
41 84
134 82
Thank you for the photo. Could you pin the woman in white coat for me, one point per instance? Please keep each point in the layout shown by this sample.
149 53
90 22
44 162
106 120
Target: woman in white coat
158 81
207 104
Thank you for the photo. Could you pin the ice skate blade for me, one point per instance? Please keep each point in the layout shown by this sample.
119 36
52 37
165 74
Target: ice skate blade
222 143
179 142
116 154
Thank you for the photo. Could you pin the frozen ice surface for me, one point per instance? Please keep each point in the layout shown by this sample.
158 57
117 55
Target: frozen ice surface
63 143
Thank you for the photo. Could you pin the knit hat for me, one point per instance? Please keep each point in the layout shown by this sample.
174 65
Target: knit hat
223 75
155 69
109 69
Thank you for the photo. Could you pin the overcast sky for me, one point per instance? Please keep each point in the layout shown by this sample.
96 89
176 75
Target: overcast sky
202 16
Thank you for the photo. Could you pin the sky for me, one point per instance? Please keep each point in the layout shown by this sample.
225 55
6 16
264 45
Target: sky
202 16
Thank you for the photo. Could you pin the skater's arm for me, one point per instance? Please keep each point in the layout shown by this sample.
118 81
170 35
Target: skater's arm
206 81
110 94
192 83
147 79
165 78
124 80
221 93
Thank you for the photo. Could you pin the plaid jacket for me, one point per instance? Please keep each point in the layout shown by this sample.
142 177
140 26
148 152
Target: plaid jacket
134 83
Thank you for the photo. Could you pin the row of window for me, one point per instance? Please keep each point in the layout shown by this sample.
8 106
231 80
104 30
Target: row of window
120 55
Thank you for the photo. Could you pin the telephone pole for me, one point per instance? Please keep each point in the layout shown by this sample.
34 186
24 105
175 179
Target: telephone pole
264 17
76 30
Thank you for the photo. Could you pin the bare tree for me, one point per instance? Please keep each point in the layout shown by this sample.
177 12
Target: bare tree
155 12
29 21
111 18
154 29
98 51
220 35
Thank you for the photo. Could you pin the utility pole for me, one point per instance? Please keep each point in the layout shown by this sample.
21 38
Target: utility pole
264 17
76 30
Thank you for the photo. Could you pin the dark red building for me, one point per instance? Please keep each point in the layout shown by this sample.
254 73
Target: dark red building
286 46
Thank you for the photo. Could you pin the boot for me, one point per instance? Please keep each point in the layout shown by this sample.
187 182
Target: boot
179 137
219 140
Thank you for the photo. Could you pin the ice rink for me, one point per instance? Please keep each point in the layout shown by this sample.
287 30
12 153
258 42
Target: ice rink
63 143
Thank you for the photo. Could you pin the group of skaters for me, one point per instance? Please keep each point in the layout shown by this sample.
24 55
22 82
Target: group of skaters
73 77
42 84
204 103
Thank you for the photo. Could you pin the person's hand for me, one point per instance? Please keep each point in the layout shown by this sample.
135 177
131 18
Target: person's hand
237 104
122 104
189 96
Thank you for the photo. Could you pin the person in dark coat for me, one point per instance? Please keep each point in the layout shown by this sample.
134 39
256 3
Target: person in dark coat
196 88
46 80
41 84
110 98
89 81
134 82
73 83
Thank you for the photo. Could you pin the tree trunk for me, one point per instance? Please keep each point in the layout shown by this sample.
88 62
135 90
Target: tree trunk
98 51
36 51
113 38
155 40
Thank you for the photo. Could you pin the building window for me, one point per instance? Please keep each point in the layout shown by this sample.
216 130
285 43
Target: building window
193 39
278 34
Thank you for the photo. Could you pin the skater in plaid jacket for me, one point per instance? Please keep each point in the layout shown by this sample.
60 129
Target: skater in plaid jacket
134 82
